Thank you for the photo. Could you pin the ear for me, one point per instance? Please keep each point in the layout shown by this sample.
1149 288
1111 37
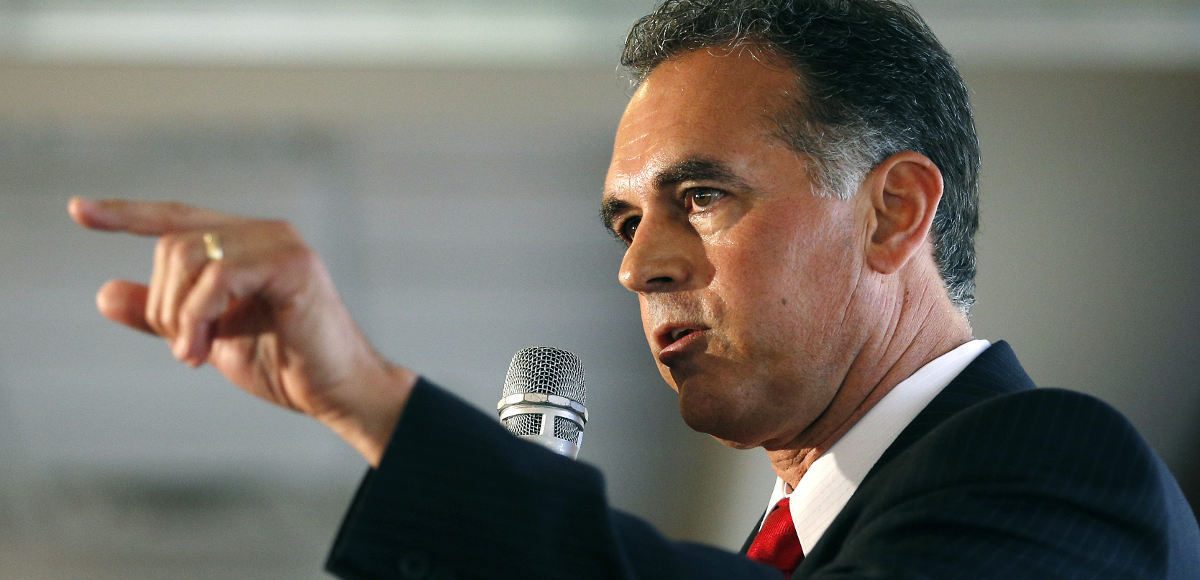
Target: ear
903 192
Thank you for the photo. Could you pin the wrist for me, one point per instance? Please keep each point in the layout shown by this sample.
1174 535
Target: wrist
380 398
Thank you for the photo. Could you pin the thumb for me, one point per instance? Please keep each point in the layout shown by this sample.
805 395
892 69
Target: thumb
124 302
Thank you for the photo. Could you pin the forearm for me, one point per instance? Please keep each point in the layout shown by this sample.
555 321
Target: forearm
456 492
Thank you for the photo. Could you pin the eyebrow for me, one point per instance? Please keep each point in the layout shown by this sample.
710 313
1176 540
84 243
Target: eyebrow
697 169
690 169
609 210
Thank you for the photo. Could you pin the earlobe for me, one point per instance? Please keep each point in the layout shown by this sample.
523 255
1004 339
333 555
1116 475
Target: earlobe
904 191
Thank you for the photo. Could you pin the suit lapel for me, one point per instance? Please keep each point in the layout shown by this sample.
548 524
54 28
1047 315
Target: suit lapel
994 372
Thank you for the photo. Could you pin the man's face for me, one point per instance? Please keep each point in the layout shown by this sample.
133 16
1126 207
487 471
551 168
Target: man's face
745 278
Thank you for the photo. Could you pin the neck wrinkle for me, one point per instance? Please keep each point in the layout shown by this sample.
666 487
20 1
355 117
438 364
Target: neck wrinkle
922 330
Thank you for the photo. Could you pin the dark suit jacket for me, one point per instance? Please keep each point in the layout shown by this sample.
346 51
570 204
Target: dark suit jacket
994 479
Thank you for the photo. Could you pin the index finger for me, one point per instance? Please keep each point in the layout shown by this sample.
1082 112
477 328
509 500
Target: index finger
145 218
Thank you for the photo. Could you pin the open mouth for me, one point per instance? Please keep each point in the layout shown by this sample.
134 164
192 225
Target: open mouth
680 333
673 336
676 337
678 343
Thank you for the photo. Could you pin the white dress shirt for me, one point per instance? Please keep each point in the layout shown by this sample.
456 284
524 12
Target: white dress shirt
830 481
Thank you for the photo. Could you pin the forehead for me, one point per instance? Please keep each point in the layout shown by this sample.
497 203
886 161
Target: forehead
702 104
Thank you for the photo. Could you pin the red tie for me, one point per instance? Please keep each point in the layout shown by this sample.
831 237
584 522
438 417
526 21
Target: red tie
777 544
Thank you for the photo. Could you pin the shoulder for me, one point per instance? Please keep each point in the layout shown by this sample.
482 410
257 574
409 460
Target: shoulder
1051 420
1040 435
1027 484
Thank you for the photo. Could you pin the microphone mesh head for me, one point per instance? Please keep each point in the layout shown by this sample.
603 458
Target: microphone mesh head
528 424
547 370
566 430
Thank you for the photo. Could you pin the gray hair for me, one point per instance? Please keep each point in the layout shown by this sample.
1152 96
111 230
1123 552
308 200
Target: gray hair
874 81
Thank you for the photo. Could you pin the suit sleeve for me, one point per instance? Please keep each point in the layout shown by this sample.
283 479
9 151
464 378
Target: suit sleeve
1046 484
457 496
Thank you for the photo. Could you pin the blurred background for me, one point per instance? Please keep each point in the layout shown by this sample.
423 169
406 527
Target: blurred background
446 158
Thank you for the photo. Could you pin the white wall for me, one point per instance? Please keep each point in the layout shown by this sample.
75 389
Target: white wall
457 212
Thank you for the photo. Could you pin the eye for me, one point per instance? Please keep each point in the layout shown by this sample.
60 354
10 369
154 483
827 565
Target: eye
702 197
628 228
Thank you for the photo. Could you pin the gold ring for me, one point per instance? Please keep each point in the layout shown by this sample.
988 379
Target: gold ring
212 247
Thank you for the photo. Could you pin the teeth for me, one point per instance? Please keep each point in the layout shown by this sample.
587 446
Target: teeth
680 333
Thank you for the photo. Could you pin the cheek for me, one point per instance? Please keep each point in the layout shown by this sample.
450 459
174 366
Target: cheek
756 302
768 270
786 278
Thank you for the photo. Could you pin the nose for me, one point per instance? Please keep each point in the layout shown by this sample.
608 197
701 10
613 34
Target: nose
664 257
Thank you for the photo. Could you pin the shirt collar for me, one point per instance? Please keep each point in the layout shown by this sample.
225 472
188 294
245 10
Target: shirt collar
834 477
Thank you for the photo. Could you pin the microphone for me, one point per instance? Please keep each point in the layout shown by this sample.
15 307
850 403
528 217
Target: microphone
543 399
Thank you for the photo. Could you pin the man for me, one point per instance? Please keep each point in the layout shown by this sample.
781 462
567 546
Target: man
796 183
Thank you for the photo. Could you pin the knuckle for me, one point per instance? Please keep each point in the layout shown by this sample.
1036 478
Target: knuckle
283 229
172 208
301 256
173 213
183 253
219 274
188 319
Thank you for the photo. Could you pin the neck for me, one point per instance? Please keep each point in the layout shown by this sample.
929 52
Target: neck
924 327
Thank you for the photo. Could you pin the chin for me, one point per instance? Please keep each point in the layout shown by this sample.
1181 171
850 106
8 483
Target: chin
721 419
